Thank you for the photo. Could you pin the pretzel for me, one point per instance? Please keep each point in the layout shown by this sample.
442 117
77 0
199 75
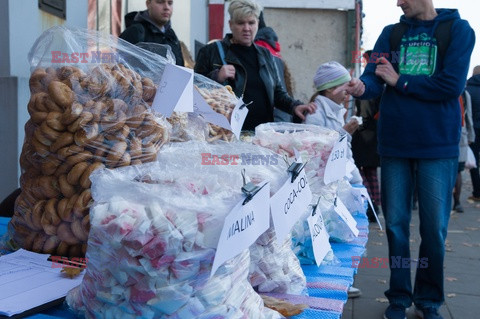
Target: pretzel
39 242
38 117
49 186
149 89
50 164
49 133
115 153
62 248
80 156
77 230
65 211
82 203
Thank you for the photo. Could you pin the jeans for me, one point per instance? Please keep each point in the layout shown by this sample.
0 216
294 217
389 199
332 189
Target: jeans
474 172
435 179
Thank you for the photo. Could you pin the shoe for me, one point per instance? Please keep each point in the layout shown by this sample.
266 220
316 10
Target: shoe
458 208
427 313
354 292
474 198
395 312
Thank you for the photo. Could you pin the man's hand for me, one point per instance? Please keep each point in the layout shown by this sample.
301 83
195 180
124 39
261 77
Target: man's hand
226 72
355 87
385 71
300 110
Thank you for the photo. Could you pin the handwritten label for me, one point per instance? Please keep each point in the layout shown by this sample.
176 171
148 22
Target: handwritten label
289 204
337 162
201 107
320 239
242 226
238 117
365 194
175 91
345 215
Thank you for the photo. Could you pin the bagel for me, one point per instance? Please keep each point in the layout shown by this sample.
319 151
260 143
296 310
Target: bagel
135 148
76 251
35 81
85 178
49 133
65 139
61 94
76 172
50 245
149 89
50 164
77 230
65 187
115 153
82 204
66 211
112 121
38 134
125 160
49 186
50 219
82 156
86 134
39 242
41 149
38 117
65 234
54 121
80 122
71 113
62 248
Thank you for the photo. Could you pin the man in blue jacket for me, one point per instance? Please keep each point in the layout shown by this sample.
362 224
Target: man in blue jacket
418 136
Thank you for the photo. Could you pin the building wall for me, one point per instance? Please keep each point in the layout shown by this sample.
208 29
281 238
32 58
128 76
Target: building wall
310 38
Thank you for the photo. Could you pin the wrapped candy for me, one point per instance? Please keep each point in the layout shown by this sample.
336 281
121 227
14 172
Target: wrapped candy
154 232
274 267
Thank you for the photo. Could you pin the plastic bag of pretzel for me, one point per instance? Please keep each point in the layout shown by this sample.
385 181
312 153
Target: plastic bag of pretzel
222 100
90 107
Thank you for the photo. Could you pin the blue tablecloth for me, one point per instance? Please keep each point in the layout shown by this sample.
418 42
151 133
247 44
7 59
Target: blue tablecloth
327 285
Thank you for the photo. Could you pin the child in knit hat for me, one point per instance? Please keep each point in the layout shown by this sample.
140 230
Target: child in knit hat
331 80
329 97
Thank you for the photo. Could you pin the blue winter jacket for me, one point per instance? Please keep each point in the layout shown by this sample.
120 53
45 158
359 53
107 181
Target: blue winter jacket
420 117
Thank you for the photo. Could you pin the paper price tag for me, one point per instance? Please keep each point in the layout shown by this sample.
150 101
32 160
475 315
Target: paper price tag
364 193
200 106
337 162
345 215
320 239
289 204
238 117
243 225
175 91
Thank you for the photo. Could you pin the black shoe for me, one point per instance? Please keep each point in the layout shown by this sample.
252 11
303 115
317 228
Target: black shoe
395 312
458 208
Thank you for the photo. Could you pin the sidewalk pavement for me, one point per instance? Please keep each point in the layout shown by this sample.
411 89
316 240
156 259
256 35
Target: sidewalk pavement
462 266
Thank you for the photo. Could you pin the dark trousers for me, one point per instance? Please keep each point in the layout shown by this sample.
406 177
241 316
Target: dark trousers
474 172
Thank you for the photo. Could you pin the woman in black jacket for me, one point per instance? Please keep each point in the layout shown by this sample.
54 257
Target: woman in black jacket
249 69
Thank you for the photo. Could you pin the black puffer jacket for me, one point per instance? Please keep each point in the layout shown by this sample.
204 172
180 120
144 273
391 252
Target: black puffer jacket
140 28
473 87
208 63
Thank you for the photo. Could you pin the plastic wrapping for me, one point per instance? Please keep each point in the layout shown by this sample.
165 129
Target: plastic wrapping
222 100
89 108
274 267
187 127
337 229
151 247
314 143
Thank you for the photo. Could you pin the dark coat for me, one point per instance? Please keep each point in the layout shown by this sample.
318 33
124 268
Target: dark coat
208 63
473 87
141 29
364 140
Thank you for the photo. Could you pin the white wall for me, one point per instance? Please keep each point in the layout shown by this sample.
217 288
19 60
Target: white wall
27 22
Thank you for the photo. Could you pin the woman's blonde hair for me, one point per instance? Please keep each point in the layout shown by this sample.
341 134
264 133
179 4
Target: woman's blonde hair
240 9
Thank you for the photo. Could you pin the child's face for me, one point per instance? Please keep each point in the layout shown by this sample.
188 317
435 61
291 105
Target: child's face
338 97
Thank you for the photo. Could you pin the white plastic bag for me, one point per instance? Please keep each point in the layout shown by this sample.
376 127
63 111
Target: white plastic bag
471 161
